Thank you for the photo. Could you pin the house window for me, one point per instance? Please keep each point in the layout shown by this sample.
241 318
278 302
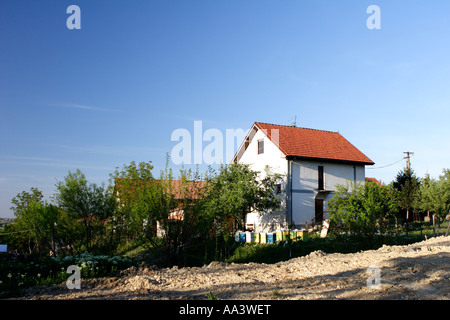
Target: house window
278 188
260 146
320 177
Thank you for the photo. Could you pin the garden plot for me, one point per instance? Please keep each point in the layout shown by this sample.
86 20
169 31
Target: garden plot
416 271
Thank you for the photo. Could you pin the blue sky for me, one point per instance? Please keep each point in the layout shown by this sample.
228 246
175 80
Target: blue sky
115 90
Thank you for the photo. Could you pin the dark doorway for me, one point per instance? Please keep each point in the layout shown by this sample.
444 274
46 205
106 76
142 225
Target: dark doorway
319 211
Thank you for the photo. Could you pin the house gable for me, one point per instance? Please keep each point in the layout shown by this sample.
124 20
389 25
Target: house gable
261 153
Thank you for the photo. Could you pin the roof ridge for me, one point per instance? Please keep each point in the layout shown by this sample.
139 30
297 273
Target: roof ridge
288 126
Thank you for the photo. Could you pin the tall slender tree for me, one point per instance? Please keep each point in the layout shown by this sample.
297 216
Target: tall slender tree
408 186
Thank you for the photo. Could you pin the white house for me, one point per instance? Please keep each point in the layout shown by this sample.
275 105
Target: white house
312 163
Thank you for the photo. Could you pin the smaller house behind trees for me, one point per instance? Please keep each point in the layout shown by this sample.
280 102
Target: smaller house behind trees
183 193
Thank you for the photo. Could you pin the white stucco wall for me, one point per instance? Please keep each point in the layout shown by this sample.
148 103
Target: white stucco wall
305 185
272 156
305 174
273 160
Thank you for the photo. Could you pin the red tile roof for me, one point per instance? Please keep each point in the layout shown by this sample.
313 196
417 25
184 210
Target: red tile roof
180 189
313 144
374 180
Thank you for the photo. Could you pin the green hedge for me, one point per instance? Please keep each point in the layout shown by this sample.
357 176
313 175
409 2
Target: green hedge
282 251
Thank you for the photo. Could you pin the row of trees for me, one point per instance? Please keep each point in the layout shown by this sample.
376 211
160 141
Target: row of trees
176 219
371 208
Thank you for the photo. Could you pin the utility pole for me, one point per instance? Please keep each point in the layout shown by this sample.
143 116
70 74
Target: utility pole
408 161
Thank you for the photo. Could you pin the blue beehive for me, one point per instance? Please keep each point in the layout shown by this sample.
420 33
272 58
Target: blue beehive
271 237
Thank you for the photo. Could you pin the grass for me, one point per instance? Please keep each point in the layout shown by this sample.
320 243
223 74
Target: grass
276 293
426 228
211 296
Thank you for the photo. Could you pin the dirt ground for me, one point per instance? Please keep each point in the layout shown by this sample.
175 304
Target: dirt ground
417 271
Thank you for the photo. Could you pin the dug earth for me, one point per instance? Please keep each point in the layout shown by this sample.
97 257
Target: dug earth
416 271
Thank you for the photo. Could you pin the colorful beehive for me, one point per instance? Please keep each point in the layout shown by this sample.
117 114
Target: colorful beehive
271 237
256 237
241 237
263 237
282 235
293 235
249 237
279 235
302 235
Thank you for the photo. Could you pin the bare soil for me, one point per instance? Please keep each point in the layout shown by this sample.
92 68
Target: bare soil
416 271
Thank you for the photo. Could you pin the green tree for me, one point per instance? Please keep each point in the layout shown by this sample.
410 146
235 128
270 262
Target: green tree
18 233
435 196
22 200
408 186
163 213
135 193
132 172
362 208
191 212
236 191
86 203
38 225
444 194
41 221
184 225
426 194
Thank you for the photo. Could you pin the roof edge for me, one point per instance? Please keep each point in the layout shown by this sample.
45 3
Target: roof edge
287 126
290 157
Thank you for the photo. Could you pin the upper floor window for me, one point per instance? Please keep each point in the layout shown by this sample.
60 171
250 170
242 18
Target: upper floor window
320 177
260 146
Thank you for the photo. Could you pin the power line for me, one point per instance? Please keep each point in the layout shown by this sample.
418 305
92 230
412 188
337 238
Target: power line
1 233
386 165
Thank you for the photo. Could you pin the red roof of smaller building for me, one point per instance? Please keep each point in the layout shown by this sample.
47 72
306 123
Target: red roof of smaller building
374 181
179 188
313 144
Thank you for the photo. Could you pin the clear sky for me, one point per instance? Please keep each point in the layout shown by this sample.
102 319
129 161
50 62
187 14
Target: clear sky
113 91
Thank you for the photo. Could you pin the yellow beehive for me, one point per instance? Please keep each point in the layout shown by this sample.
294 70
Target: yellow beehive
279 235
293 234
263 237
302 234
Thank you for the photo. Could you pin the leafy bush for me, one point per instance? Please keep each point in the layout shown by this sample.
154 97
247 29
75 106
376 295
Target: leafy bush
17 273
362 209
